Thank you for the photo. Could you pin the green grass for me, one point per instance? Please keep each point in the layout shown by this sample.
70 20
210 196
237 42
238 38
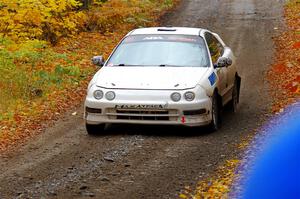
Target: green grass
25 73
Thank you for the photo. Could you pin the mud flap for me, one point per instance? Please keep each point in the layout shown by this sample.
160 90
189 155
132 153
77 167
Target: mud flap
239 81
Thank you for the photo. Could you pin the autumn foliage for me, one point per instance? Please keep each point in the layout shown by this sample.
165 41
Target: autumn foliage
40 19
284 76
45 51
53 19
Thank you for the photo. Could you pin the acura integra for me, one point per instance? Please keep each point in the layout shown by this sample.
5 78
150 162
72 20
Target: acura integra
163 75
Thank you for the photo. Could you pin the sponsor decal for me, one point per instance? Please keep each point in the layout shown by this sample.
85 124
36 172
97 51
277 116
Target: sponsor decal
153 38
170 38
182 39
212 78
140 106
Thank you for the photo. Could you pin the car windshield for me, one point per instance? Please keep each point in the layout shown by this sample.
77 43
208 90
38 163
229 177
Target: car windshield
160 50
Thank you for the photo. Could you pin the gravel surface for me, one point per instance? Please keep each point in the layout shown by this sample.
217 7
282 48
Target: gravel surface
152 161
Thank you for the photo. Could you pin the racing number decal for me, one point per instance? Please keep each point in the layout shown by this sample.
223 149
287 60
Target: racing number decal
212 79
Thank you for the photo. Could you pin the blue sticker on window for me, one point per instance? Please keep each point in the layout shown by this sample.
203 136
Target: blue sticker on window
212 79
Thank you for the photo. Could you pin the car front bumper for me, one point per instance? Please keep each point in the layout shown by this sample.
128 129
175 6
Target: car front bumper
148 110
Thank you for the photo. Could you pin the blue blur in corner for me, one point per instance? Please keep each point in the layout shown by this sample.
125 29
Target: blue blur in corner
276 170
212 79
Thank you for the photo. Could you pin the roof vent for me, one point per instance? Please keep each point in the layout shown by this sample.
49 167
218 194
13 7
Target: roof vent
166 29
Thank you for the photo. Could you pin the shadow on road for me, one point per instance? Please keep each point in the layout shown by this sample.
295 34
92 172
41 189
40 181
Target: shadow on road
163 130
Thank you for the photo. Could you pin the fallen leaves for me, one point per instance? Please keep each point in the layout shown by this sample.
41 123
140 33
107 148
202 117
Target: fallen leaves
284 76
296 45
217 187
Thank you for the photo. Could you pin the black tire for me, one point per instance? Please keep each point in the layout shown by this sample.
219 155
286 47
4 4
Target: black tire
94 129
216 113
235 97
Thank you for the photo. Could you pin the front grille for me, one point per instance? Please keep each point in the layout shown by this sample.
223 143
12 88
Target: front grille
136 114
142 115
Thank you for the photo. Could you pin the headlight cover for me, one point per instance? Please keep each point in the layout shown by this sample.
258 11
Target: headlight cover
110 95
175 97
189 96
98 94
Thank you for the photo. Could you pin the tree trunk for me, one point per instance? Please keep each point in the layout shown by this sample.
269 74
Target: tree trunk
86 4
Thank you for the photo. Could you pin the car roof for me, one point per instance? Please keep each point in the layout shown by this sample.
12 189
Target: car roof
167 30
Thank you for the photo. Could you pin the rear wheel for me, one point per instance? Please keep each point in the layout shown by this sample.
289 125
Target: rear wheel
94 129
216 113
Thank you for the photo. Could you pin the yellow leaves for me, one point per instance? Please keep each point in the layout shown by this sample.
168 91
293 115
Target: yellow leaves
74 3
183 196
62 5
52 19
217 187
21 19
34 17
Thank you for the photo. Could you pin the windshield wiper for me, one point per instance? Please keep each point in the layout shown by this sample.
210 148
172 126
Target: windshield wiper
168 65
126 65
161 65
131 65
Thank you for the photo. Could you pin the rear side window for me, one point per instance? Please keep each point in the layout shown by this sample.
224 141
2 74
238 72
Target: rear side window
216 49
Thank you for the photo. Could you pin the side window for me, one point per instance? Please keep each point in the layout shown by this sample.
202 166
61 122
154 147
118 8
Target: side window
215 47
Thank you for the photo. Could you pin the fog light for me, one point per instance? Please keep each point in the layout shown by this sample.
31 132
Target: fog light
92 110
195 112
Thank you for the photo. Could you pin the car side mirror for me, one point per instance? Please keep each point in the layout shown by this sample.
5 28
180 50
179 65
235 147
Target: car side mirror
223 62
98 60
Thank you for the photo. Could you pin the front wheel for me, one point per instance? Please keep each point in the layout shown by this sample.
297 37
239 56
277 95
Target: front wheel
216 114
94 129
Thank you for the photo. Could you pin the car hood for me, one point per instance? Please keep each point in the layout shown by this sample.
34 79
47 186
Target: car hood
149 77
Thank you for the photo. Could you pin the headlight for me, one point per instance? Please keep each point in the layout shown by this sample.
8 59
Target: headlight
175 97
189 96
110 95
98 94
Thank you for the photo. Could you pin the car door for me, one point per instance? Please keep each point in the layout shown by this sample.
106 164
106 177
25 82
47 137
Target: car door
231 70
216 50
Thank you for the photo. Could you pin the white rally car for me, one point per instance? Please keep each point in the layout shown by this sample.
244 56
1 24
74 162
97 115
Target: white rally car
163 75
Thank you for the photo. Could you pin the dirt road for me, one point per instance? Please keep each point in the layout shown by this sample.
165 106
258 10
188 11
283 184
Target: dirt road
152 162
